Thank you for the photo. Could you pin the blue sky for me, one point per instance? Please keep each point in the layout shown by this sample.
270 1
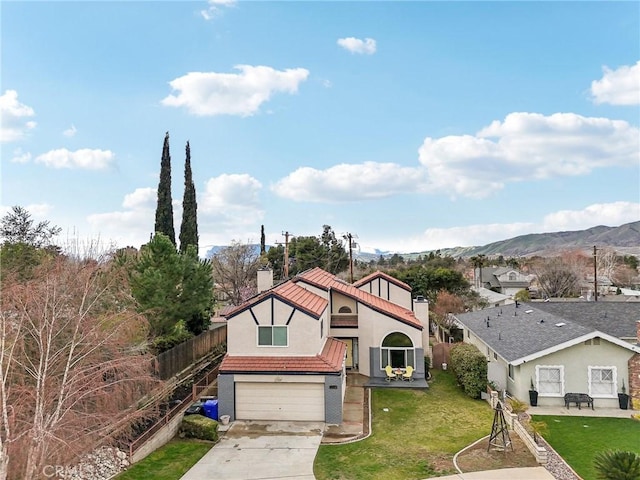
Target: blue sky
411 125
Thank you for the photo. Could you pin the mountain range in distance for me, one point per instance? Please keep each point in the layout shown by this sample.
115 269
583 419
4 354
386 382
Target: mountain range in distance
625 240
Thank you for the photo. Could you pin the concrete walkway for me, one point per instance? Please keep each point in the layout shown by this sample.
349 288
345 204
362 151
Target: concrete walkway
530 473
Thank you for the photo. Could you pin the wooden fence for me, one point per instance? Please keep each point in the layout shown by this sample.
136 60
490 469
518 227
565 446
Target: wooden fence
441 354
187 353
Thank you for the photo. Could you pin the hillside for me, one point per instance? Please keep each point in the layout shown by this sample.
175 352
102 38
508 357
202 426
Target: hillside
625 239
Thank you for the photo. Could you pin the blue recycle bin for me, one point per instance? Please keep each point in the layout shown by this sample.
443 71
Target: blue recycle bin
210 408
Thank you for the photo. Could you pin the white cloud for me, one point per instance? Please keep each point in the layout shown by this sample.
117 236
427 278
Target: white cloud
239 191
20 157
242 94
343 183
134 225
228 209
527 146
13 117
214 8
141 198
71 131
84 158
357 45
618 87
609 214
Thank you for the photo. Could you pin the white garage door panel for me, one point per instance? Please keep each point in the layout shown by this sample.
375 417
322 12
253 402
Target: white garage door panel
280 401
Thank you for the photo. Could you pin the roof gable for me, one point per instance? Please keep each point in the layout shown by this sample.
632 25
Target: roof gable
326 281
379 274
291 294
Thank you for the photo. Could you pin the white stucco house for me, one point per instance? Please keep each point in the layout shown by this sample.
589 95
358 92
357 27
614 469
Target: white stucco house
560 347
289 347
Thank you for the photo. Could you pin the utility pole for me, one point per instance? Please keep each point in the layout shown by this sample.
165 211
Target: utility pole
595 274
286 254
350 258
349 238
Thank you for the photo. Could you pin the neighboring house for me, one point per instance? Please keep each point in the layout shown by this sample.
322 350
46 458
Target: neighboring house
493 299
577 347
289 347
505 280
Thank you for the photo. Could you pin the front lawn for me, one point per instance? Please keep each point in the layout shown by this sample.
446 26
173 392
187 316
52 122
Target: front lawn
415 434
578 439
169 462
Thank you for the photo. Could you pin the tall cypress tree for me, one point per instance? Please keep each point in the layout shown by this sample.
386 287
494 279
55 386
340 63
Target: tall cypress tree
189 226
164 210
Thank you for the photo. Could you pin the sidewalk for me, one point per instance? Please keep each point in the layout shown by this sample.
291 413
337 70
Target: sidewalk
530 473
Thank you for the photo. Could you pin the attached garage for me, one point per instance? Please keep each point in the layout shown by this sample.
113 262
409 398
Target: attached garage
280 401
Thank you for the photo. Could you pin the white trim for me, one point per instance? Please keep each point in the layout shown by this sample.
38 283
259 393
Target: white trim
576 341
554 395
614 393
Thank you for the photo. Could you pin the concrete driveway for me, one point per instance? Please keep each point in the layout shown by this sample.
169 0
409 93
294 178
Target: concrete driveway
261 451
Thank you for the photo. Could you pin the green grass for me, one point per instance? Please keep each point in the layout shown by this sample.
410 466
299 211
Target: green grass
578 439
169 462
416 438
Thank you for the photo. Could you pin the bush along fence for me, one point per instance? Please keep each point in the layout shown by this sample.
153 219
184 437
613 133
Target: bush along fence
189 352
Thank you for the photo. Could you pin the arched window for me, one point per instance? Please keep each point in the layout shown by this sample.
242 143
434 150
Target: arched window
512 277
397 350
344 309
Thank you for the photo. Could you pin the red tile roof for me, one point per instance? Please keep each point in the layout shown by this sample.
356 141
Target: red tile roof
328 361
288 292
319 278
379 274
327 281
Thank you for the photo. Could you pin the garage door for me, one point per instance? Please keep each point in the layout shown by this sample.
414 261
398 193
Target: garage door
280 401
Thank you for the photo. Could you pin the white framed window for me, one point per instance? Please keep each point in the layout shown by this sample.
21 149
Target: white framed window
273 336
550 380
511 372
603 382
397 350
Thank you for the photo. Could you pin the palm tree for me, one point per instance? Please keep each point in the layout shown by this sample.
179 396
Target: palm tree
617 465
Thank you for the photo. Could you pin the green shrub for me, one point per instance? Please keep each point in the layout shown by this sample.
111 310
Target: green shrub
200 427
470 368
617 465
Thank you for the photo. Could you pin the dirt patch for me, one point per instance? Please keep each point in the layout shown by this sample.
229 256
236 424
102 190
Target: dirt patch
479 457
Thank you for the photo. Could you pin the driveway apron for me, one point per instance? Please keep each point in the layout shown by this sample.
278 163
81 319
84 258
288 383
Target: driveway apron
261 451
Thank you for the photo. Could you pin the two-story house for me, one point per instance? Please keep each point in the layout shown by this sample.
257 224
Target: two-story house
289 347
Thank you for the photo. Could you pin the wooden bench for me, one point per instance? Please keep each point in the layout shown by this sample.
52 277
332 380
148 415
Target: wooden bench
578 399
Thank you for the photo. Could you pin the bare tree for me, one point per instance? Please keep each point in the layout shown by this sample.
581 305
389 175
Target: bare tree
624 276
560 276
235 270
445 305
70 377
606 262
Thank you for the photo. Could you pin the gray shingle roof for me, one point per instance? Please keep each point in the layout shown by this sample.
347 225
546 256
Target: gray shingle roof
616 319
514 334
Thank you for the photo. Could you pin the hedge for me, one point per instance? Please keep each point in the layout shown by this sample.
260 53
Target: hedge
199 426
470 368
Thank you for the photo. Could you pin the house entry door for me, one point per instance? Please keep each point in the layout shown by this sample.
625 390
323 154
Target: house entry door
349 359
